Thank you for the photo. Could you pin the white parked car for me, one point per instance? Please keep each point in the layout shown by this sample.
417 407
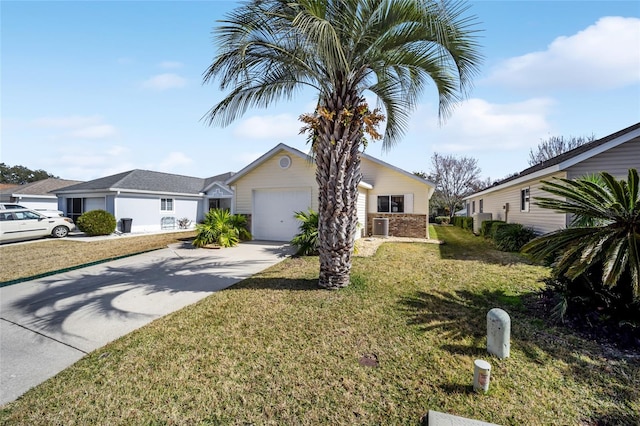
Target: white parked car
25 224
46 212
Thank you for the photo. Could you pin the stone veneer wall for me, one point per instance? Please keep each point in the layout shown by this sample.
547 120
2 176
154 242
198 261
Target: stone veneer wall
401 225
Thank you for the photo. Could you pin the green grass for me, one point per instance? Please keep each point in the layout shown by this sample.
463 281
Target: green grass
274 349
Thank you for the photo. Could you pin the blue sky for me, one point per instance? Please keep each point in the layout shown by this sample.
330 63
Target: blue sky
92 88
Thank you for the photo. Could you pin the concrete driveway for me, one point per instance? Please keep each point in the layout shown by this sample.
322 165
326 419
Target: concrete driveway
48 324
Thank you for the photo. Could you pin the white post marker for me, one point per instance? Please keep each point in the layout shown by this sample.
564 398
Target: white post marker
498 333
481 375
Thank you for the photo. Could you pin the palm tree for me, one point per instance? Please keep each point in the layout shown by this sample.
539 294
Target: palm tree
271 49
608 244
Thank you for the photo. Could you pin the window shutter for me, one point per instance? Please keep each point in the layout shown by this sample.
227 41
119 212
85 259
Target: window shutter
408 203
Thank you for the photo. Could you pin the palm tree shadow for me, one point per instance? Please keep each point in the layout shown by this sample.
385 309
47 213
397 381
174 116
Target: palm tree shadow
117 291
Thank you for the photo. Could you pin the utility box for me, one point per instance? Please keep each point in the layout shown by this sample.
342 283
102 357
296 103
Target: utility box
381 226
478 218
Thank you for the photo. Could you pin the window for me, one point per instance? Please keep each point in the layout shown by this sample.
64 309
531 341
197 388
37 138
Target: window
75 208
166 204
481 206
473 207
524 200
390 203
214 203
27 215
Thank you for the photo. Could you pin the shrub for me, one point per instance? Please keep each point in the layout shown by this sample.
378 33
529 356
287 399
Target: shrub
307 239
485 227
597 257
222 228
96 222
495 227
463 222
512 236
442 220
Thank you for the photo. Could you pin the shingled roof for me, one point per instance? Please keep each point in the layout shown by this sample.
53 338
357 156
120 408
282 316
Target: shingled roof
566 156
41 187
143 181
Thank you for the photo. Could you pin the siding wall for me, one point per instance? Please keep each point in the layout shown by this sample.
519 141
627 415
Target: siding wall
616 161
270 175
386 181
362 213
541 220
146 214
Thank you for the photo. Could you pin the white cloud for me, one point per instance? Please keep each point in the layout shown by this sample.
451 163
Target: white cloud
171 64
480 125
70 122
93 132
164 82
603 56
281 126
173 160
117 150
77 126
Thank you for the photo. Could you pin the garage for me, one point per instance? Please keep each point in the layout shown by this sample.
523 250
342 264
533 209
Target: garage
273 209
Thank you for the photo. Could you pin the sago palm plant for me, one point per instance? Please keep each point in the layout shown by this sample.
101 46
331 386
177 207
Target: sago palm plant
307 239
608 251
221 228
342 49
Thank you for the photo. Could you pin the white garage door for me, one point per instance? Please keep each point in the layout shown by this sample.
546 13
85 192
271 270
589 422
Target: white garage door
273 211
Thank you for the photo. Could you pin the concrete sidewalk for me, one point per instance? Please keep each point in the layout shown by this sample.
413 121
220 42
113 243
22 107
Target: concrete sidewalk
49 323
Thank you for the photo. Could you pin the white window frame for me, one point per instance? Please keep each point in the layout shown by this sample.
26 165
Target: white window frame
525 199
404 201
163 205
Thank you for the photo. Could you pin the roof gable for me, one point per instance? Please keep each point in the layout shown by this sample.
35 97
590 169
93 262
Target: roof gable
282 147
263 158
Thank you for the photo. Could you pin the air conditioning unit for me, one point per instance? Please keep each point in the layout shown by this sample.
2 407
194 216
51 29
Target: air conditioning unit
381 226
478 218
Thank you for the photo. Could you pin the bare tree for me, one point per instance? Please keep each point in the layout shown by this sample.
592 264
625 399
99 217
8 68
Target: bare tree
455 178
555 146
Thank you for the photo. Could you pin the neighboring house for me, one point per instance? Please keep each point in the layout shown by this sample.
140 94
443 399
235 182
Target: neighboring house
512 199
282 181
153 200
37 195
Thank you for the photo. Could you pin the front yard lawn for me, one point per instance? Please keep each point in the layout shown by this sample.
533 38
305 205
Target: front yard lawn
399 341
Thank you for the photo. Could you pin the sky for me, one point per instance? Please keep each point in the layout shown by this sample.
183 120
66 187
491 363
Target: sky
93 88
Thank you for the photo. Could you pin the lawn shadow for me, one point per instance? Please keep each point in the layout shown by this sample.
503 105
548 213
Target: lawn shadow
261 283
463 245
461 316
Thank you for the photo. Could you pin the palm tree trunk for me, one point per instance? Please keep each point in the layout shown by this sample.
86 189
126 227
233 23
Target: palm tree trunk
338 176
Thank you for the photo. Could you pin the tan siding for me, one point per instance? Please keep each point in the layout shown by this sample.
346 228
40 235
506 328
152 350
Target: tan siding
387 181
616 161
542 220
362 212
269 175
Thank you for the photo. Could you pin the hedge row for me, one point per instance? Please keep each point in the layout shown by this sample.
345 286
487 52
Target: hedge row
463 222
507 236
